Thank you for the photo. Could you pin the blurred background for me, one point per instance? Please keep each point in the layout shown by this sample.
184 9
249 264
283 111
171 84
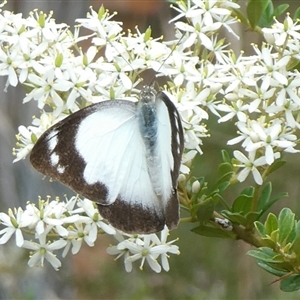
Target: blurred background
206 269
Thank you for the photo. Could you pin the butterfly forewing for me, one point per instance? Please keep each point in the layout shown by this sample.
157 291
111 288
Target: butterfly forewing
100 153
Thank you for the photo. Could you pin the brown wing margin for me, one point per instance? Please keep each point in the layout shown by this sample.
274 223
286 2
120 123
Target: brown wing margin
177 138
69 159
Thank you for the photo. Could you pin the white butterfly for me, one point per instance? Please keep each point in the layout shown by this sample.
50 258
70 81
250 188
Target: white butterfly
125 156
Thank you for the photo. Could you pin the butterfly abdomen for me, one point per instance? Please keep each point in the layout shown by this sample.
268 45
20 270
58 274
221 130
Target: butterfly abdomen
148 126
146 112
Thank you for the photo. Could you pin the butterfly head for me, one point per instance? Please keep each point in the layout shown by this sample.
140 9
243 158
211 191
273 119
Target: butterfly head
148 94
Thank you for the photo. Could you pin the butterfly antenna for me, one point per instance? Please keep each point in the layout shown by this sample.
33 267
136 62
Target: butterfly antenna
174 47
138 75
120 54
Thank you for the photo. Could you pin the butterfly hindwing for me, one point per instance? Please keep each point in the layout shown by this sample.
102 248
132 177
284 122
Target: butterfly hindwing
99 153
177 145
170 147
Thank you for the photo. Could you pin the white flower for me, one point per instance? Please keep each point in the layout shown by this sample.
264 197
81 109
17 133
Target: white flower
246 133
8 65
235 109
120 250
239 73
79 232
103 26
13 222
146 248
27 135
44 251
280 32
273 68
44 28
48 216
47 86
184 9
186 161
142 249
29 60
270 138
257 99
25 143
194 35
289 91
96 219
163 247
249 164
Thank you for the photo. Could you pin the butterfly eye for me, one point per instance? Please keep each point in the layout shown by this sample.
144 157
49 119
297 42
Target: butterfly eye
147 94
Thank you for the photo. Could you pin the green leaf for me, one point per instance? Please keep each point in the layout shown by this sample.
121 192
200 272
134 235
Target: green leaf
297 228
263 253
272 201
223 186
271 224
205 211
269 268
242 203
296 245
266 18
251 217
286 224
213 232
265 196
274 235
280 9
275 166
267 242
235 217
225 156
293 64
269 10
249 191
260 228
290 284
297 14
255 9
224 169
225 172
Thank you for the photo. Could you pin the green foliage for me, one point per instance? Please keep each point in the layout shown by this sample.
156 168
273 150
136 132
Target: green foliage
255 10
277 239
248 206
297 14
213 232
280 250
266 201
290 284
261 13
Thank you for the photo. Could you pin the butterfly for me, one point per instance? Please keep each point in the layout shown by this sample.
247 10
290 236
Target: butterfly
123 155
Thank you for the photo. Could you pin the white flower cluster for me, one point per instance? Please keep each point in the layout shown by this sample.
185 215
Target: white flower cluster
45 57
145 248
264 97
66 225
260 93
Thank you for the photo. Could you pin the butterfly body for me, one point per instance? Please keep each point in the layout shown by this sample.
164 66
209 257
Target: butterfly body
122 155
